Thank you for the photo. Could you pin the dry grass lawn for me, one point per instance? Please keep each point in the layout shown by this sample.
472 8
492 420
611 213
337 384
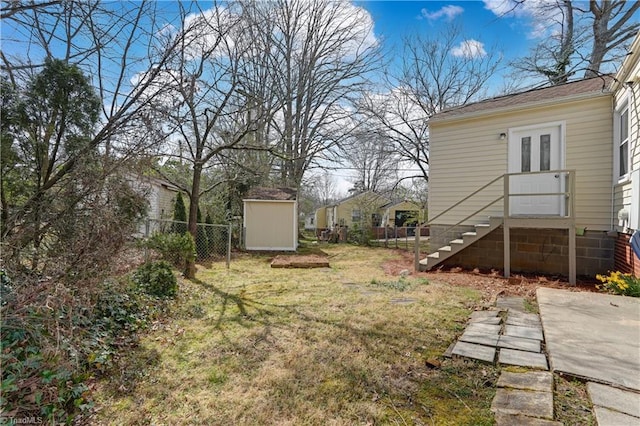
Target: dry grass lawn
344 345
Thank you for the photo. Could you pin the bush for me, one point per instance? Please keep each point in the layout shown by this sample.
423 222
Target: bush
175 248
156 279
619 283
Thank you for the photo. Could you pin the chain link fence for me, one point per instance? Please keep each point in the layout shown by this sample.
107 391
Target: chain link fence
213 241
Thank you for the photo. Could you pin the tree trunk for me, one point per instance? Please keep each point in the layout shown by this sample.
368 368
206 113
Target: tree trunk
190 266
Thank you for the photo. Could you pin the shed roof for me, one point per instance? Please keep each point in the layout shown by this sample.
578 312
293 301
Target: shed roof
591 86
279 194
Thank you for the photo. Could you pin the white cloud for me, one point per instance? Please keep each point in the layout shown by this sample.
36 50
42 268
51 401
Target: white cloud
541 16
449 12
469 49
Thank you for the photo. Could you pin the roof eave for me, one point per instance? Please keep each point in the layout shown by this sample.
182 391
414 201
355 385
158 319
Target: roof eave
514 108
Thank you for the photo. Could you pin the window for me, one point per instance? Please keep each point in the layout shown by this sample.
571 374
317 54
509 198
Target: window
545 152
623 147
526 154
355 215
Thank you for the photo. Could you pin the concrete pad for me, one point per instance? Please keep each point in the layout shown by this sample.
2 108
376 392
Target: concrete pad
471 350
492 320
592 335
626 402
606 417
484 314
477 328
541 381
527 403
449 352
524 332
523 359
479 338
510 303
525 320
519 343
503 419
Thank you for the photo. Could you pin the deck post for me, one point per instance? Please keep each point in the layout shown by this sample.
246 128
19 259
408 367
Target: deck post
505 228
572 254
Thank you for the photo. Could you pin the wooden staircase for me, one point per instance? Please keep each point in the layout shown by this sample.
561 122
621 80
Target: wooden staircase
459 244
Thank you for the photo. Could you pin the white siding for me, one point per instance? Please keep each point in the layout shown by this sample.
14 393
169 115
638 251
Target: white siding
624 199
466 154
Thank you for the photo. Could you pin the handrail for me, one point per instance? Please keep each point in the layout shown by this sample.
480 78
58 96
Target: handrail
466 198
470 216
569 192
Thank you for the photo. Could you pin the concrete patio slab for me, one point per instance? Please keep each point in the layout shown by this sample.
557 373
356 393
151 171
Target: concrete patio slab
606 417
519 343
510 303
523 321
626 402
541 381
527 403
490 320
503 419
484 314
478 328
524 332
471 350
480 338
592 335
523 359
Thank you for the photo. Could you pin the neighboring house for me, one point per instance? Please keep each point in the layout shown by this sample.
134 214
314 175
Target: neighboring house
626 164
354 210
271 219
544 181
161 197
401 213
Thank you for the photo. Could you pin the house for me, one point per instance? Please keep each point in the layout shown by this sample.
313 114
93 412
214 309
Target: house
554 143
271 219
401 213
161 197
351 211
540 181
626 164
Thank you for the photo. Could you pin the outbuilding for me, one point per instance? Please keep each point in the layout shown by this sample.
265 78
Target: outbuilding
271 219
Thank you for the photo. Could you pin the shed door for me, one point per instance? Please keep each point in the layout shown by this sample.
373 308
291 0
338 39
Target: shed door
536 150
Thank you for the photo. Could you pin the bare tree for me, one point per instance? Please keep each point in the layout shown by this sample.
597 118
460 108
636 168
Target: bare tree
107 42
582 40
207 114
613 25
374 159
437 73
319 54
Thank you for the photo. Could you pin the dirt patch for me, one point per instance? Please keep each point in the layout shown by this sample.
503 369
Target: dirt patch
305 261
491 283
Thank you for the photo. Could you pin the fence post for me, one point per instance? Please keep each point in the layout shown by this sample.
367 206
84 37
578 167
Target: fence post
416 249
229 228
147 227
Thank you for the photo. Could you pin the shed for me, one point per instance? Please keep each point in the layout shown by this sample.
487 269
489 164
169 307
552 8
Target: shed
271 219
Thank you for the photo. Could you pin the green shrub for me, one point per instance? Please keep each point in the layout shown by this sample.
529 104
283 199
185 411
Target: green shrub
156 279
175 248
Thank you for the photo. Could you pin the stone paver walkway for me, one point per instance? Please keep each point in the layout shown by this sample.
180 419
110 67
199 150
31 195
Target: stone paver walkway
524 399
511 336
508 335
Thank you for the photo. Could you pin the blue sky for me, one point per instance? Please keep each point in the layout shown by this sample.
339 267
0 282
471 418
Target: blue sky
510 36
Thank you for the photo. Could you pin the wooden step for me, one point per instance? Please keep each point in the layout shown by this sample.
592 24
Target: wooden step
458 241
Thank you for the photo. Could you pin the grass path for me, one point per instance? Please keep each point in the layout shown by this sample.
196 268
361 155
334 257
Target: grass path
340 346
